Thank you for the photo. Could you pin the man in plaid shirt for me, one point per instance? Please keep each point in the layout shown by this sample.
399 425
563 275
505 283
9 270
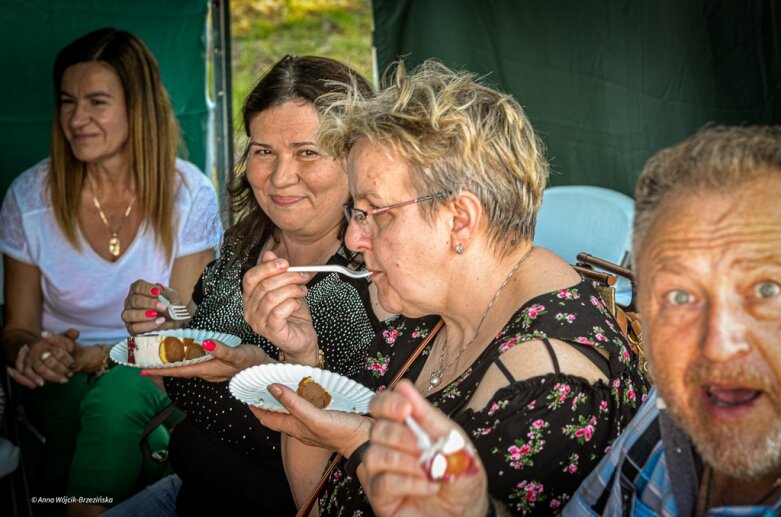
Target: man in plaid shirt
707 245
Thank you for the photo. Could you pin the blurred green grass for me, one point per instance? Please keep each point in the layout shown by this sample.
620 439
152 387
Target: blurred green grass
263 31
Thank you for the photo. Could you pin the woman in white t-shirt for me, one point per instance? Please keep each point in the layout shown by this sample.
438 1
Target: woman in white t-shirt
111 204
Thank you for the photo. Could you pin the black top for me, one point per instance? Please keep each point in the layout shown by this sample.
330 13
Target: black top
538 438
221 440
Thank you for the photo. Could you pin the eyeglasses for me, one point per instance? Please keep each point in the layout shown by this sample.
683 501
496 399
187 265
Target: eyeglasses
361 217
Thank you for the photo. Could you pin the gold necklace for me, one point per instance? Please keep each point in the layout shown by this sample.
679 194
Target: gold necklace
114 246
436 376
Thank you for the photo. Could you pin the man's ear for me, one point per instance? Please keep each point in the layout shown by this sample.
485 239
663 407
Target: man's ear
467 213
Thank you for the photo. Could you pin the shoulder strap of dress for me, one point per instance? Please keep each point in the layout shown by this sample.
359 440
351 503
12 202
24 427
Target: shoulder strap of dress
414 355
552 354
502 368
593 355
497 360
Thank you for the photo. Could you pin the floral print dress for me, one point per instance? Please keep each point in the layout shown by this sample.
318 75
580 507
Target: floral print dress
539 437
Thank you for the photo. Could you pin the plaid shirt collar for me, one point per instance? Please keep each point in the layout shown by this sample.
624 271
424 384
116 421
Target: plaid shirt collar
668 482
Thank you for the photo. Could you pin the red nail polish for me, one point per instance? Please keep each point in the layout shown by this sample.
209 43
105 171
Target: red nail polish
155 291
208 345
151 314
144 373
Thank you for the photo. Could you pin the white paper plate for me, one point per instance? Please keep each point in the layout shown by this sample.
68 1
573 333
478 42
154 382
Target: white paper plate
250 386
118 352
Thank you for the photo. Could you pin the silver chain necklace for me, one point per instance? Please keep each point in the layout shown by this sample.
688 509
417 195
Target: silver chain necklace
435 378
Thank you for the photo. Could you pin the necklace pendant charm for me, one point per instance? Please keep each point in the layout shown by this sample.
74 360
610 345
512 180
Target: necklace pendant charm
113 245
434 380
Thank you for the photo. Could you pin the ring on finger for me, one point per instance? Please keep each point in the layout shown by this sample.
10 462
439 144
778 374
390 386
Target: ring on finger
44 356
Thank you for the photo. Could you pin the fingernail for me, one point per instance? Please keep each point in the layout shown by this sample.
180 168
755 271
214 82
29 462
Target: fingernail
151 314
70 374
281 264
45 333
209 345
144 373
160 320
275 390
64 381
160 306
40 383
155 291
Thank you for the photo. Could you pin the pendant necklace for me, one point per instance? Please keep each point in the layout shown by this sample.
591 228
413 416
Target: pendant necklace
436 376
114 246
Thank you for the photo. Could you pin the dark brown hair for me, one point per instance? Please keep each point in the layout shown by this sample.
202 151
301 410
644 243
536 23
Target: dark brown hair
292 78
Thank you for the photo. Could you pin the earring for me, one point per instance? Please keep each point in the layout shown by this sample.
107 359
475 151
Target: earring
459 248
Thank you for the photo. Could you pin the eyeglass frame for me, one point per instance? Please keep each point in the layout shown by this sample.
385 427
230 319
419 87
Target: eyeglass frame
350 211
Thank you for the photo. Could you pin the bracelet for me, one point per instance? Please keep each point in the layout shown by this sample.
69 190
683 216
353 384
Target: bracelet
351 466
92 377
104 365
320 358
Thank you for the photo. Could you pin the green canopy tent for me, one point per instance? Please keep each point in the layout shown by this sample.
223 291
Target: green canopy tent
35 30
189 38
605 82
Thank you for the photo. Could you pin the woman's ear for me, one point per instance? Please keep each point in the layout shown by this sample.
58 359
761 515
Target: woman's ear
467 214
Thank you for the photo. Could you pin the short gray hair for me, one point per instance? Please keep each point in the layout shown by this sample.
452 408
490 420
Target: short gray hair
715 158
455 133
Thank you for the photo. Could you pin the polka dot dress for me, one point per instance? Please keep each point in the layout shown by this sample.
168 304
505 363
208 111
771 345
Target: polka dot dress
342 316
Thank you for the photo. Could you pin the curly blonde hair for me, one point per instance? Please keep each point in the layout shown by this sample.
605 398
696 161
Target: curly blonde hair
456 134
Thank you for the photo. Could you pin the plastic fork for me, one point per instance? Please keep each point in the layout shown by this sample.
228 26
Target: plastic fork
330 268
177 312
433 455
424 440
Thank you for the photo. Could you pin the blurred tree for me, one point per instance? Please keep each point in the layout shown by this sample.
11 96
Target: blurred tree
265 30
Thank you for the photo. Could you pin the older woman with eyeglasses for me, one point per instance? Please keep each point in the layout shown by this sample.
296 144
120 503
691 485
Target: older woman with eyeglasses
447 176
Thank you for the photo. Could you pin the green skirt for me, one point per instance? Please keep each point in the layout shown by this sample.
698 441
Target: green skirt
93 430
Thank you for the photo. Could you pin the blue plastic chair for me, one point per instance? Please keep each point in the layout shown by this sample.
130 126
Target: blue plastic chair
595 220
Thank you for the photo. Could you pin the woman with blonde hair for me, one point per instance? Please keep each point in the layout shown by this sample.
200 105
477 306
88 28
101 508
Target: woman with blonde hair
112 203
507 339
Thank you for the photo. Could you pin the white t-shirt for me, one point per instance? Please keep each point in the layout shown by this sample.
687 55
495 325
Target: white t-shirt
81 289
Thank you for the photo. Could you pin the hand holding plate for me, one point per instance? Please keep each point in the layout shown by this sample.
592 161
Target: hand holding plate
227 362
333 430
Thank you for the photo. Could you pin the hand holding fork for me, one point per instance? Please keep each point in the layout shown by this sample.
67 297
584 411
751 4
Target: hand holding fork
177 312
150 307
331 268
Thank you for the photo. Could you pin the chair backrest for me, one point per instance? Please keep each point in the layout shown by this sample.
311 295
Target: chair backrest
580 218
595 220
